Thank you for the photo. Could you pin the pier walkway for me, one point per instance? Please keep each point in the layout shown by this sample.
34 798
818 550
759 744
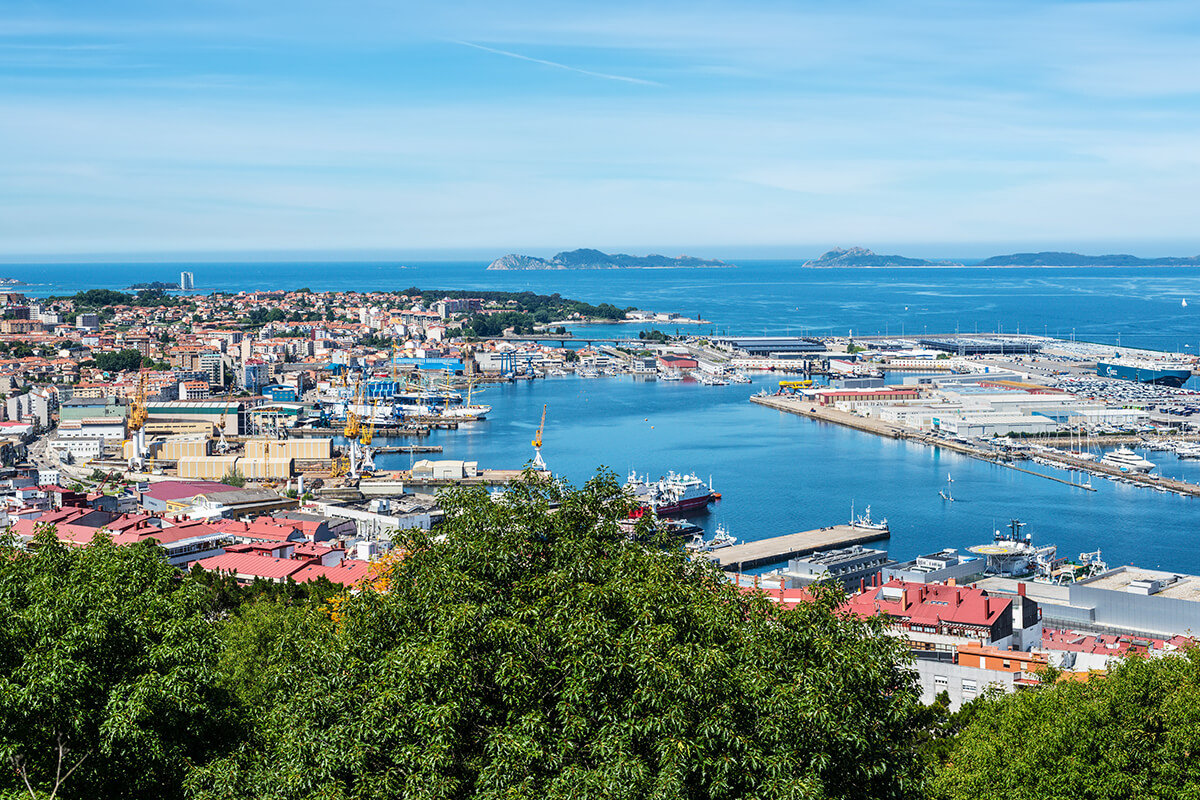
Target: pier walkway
778 549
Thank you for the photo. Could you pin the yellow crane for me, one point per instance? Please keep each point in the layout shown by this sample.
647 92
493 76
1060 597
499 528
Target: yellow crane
538 463
138 413
352 423
137 421
368 430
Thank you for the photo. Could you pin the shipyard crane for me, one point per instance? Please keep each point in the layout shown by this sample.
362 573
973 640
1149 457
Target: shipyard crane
222 444
137 425
366 457
538 463
352 424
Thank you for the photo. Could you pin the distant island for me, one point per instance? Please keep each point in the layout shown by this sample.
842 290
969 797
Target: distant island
1056 259
164 287
594 259
12 282
862 257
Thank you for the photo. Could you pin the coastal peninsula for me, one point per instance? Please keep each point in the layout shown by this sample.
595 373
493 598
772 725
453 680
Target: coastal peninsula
594 259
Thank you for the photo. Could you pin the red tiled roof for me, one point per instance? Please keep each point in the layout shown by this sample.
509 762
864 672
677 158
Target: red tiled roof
347 572
249 565
928 604
179 490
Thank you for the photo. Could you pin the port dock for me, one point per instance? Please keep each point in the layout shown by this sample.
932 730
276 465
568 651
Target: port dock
778 549
806 408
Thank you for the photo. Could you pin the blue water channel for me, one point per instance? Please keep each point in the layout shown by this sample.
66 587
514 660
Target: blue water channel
779 473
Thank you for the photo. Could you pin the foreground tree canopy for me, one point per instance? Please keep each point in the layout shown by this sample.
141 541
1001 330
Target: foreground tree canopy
1134 733
107 673
529 648
525 652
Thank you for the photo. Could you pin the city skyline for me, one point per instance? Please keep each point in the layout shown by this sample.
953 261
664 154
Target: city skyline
763 129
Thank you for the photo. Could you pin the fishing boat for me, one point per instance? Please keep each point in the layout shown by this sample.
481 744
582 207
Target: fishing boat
865 523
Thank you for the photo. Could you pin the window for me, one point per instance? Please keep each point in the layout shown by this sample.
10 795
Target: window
968 687
940 682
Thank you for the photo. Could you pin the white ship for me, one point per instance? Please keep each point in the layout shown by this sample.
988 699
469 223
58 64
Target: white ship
1126 460
864 521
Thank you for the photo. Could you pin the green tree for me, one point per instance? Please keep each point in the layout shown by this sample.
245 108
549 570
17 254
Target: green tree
107 672
524 652
234 478
127 360
1134 733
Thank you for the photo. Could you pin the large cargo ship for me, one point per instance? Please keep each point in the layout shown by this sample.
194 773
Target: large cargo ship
1163 373
674 494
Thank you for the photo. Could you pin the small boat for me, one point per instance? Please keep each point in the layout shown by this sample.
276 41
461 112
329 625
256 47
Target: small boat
865 523
671 375
946 493
738 377
722 538
1183 302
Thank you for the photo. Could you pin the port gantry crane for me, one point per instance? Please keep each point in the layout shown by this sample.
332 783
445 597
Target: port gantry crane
366 456
137 425
538 463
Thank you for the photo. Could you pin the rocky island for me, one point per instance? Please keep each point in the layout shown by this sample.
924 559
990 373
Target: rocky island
594 259
862 257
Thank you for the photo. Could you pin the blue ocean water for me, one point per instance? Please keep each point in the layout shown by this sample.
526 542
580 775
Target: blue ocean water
1135 306
779 473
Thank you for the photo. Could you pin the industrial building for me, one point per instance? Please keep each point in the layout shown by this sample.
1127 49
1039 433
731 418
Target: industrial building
850 566
979 346
210 412
769 345
1125 600
948 565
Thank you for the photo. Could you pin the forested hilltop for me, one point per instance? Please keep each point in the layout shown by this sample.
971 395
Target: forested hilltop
517 652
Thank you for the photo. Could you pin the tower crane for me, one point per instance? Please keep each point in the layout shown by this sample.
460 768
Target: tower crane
137 425
538 463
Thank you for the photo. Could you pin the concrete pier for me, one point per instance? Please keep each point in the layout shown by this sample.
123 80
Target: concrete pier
778 549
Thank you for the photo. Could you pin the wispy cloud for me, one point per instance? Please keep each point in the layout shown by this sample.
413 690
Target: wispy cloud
557 65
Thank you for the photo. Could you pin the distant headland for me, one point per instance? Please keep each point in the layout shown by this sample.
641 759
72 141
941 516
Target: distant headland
861 257
594 259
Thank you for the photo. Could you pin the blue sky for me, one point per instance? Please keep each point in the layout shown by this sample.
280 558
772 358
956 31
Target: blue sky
724 129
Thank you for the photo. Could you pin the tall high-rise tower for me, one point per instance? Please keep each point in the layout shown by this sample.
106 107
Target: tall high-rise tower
186 282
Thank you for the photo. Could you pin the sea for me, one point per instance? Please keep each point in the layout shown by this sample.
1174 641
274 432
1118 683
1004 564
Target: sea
778 473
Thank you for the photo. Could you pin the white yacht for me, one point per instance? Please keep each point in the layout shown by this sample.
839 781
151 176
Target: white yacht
1126 460
722 538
